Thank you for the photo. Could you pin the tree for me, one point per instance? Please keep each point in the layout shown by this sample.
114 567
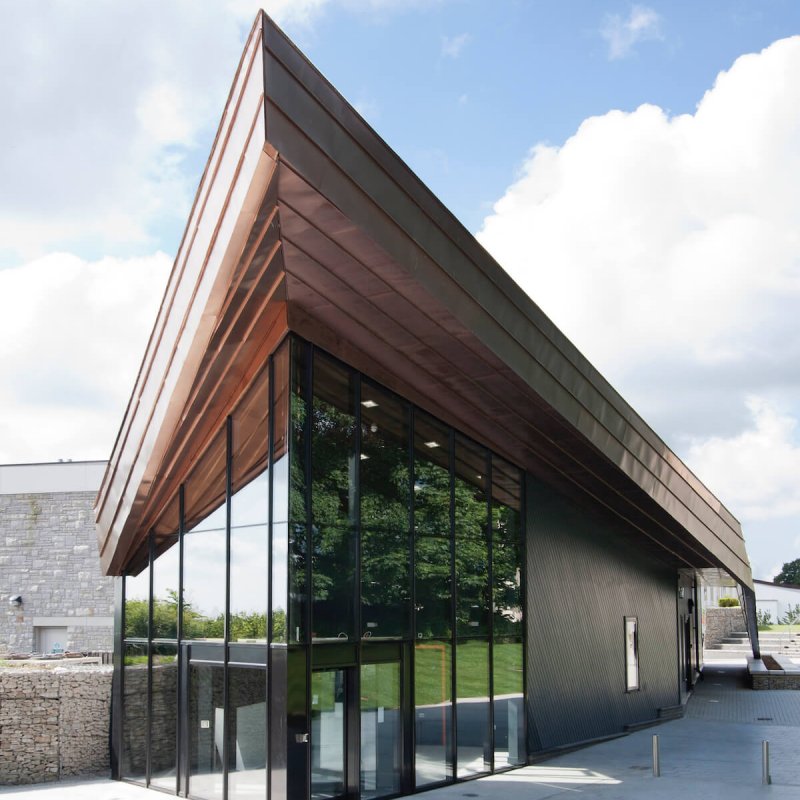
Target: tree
789 574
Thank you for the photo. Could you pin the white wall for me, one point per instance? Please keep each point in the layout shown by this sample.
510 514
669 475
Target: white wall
770 597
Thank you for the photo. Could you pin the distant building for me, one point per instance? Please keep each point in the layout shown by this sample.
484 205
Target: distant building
776 600
55 598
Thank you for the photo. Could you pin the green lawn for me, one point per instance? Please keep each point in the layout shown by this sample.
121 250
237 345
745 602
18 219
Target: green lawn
780 628
432 670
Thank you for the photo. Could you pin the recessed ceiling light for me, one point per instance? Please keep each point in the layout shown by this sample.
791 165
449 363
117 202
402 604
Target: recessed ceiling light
369 404
431 444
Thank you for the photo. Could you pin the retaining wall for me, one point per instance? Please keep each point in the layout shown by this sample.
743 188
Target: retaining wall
54 723
720 623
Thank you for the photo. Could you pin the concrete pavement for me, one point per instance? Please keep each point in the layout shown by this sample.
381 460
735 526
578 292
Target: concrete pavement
713 752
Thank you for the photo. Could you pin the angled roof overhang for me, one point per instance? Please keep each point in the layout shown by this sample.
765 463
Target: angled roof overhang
303 206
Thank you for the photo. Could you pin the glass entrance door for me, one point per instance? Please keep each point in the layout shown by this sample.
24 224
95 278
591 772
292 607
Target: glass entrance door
381 730
328 733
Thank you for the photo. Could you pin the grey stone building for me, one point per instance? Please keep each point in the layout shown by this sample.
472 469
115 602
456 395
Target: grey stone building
54 596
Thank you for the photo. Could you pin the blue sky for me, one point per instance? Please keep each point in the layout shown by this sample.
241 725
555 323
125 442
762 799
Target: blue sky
635 167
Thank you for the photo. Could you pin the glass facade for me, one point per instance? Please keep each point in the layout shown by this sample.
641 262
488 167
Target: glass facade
335 605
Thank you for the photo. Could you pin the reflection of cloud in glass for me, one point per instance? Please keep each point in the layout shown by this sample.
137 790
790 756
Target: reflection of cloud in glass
280 488
250 505
249 569
280 565
204 571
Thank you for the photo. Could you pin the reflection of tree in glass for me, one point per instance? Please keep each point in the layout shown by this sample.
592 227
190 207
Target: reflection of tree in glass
195 625
506 569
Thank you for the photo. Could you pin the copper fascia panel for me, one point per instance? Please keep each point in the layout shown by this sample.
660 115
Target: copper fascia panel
231 192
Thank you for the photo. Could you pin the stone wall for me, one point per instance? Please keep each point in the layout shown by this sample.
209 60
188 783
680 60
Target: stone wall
54 723
720 623
48 555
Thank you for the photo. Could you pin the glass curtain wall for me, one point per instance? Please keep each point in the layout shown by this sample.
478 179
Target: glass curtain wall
327 528
395 523
196 619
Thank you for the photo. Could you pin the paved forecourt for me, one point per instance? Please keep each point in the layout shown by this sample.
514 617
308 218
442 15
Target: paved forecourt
713 752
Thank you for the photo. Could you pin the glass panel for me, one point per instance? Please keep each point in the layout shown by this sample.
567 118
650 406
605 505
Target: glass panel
280 562
133 756
333 468
249 546
247 733
333 564
328 748
281 433
204 578
280 492
385 498
165 587
137 598
433 712
472 547
206 726
506 549
509 731
631 653
385 584
297 545
380 729
164 717
472 719
433 559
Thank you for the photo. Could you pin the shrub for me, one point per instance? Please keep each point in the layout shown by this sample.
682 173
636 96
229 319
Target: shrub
763 618
729 602
792 615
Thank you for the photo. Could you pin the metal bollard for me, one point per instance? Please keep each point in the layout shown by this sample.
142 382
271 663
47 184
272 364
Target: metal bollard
766 778
656 758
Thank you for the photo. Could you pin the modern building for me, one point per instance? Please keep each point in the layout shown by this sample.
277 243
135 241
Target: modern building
55 598
381 526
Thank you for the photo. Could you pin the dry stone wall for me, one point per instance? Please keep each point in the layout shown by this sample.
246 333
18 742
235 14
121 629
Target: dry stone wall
54 723
720 623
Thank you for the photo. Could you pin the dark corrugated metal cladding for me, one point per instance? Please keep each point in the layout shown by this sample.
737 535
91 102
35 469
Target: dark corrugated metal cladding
584 576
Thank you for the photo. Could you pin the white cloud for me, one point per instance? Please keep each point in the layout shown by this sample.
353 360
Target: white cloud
757 470
72 336
103 106
622 35
668 248
452 46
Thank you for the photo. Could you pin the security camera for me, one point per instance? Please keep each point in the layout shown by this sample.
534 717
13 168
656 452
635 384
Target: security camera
15 600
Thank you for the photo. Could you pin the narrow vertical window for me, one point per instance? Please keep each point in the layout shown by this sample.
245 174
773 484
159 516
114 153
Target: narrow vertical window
631 654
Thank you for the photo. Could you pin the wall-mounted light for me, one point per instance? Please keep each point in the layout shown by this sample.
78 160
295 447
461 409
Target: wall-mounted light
15 600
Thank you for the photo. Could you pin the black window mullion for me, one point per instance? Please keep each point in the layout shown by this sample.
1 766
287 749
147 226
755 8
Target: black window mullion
523 571
270 483
181 757
352 771
489 538
408 705
307 427
149 715
226 621
453 754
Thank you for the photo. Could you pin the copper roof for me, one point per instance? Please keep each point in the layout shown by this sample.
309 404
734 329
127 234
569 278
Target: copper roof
305 220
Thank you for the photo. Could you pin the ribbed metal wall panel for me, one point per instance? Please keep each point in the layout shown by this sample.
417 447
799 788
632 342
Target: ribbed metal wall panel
584 576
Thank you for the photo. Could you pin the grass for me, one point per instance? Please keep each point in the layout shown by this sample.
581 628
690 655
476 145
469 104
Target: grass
780 628
432 675
432 670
